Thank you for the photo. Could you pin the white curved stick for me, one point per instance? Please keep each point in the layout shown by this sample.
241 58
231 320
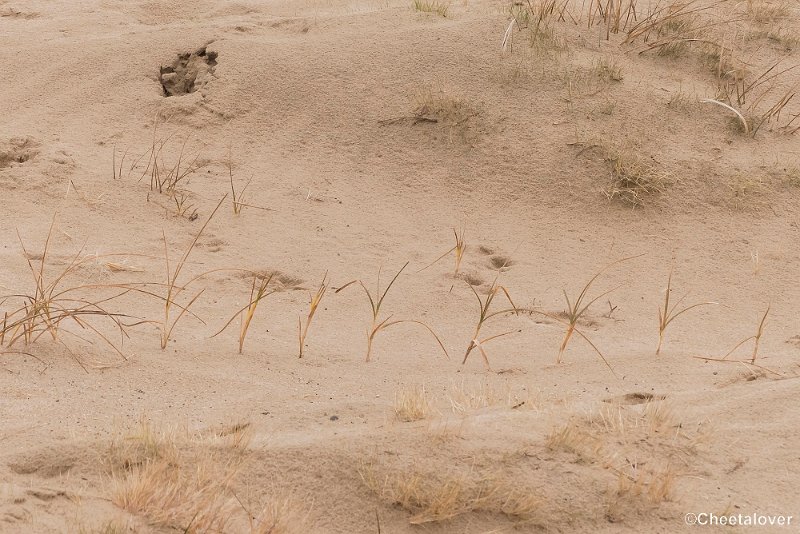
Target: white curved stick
726 106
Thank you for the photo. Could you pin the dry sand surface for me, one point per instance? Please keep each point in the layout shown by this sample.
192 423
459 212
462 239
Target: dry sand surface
540 143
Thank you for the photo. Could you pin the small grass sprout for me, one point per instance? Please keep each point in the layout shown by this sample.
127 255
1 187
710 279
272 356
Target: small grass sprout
577 309
375 302
667 313
485 314
173 289
756 338
258 292
752 360
459 248
166 178
316 298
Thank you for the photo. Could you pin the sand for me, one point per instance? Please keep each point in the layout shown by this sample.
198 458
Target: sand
368 131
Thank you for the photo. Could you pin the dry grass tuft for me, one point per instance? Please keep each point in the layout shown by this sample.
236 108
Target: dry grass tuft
167 478
432 498
108 527
459 249
167 174
576 309
432 6
258 292
634 178
608 70
465 397
173 289
411 404
766 11
635 486
569 438
57 301
285 515
190 499
439 106
786 39
185 481
745 189
638 445
756 338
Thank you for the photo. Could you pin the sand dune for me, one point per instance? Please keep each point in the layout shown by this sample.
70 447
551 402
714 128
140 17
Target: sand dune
353 138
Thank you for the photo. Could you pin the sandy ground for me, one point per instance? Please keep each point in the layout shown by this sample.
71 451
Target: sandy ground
369 131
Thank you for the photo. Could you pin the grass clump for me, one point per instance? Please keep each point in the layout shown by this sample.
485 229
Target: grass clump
608 70
237 195
634 178
766 11
537 18
411 404
56 302
284 515
434 498
175 480
432 6
166 177
756 338
438 105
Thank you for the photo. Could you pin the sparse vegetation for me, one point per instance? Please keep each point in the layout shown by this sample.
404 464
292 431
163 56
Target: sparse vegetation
611 438
316 299
608 70
577 309
438 7
756 338
237 197
376 301
439 106
485 314
174 289
667 313
766 11
459 249
56 302
167 177
258 292
179 480
668 95
466 397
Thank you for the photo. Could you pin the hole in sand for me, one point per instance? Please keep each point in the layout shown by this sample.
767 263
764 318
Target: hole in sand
500 262
188 72
635 398
17 150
